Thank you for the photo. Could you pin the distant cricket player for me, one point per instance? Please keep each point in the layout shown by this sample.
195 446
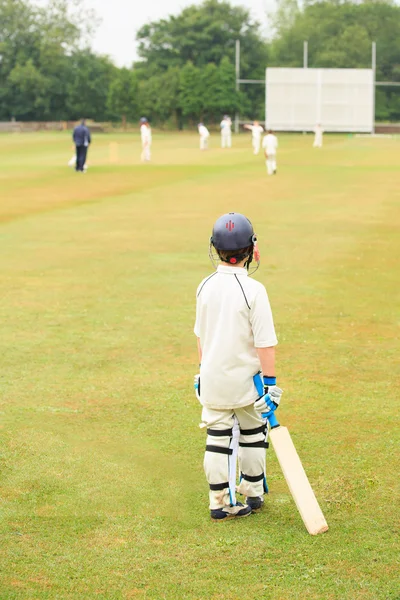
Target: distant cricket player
256 131
72 162
270 145
82 140
204 135
318 136
236 340
226 132
145 134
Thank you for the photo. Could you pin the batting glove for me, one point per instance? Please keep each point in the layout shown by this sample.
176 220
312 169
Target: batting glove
271 399
197 386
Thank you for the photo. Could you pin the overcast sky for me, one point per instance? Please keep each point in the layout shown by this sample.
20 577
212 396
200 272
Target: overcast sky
122 18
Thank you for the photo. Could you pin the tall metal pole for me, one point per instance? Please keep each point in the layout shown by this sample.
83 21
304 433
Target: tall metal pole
237 81
305 55
266 98
373 84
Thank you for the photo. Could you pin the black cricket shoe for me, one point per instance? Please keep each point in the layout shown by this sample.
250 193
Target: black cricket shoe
255 502
230 512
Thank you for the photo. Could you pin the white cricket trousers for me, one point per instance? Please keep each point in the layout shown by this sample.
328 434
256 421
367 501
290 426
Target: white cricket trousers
317 140
256 145
271 164
252 446
203 142
226 140
146 152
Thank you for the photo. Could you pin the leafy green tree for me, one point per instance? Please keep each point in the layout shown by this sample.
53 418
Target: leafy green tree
285 15
29 91
169 101
203 34
211 93
219 95
123 95
159 97
191 91
36 44
87 91
229 99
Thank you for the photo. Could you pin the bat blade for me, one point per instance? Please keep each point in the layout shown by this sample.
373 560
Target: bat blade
297 481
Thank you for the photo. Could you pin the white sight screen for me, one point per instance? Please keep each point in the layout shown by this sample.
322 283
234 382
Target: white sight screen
338 99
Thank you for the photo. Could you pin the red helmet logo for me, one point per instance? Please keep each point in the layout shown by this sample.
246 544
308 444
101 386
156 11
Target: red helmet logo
230 225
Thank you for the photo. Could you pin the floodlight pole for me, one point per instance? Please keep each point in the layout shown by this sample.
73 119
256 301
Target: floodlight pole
373 84
237 82
305 55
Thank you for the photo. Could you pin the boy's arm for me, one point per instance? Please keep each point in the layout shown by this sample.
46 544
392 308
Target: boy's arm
199 349
267 360
268 403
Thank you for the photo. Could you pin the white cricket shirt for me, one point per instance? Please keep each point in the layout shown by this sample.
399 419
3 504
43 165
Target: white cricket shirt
226 125
270 143
203 131
145 133
256 131
233 318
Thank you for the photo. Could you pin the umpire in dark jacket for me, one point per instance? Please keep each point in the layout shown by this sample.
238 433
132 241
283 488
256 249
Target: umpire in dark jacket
82 140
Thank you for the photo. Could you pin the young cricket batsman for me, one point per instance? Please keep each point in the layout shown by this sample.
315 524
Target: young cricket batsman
236 342
204 135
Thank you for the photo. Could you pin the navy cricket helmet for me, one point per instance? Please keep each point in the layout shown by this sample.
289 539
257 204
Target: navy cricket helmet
232 231
143 120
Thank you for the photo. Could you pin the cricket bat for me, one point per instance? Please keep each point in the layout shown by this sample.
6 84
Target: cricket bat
297 480
294 473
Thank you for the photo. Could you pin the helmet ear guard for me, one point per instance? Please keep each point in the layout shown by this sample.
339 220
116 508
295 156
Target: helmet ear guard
253 253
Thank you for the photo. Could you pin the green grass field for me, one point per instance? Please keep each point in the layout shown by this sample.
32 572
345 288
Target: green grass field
102 488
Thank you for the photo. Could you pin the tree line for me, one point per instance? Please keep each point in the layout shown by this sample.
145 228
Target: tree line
185 72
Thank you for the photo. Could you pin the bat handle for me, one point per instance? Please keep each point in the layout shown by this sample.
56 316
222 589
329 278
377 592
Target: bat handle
273 421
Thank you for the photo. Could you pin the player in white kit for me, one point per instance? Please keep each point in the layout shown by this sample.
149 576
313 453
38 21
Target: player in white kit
226 132
204 135
256 131
145 133
270 145
318 136
236 342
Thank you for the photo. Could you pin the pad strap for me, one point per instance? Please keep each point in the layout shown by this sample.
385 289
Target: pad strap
261 429
254 445
216 487
219 432
253 478
219 450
